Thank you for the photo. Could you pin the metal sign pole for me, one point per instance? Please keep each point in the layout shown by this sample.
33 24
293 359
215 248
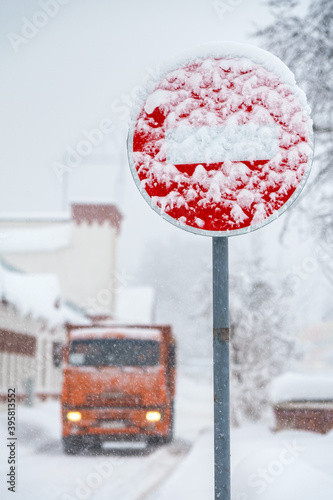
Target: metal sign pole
221 368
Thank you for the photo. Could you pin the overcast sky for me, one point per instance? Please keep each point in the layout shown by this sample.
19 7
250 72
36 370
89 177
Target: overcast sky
79 67
84 66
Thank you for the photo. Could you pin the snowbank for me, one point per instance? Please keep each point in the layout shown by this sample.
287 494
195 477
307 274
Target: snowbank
264 466
194 479
298 387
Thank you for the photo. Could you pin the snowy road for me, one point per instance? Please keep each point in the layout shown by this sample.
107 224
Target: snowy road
265 465
132 473
127 475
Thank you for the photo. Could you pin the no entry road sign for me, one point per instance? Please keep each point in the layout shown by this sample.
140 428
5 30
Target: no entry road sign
221 142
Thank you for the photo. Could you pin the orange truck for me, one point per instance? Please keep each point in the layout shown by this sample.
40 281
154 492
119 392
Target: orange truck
118 384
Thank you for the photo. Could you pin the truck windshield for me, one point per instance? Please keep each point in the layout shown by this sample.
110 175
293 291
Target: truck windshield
114 352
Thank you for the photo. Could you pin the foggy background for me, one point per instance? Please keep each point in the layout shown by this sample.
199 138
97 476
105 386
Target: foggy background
78 67
85 65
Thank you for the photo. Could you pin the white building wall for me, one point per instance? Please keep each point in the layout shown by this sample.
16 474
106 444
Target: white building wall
86 268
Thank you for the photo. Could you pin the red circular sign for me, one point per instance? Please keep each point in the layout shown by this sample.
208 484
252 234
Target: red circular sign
221 144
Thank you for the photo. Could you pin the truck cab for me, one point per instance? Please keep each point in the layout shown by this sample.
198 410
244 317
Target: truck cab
118 384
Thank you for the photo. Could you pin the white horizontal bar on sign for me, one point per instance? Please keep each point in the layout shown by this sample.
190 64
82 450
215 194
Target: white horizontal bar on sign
250 142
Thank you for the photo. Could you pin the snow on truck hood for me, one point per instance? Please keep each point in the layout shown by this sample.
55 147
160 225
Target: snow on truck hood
98 332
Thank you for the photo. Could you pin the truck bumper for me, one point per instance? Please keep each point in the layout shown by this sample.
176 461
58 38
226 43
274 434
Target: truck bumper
109 424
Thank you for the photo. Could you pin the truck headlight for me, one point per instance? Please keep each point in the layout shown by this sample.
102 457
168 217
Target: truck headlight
74 416
153 416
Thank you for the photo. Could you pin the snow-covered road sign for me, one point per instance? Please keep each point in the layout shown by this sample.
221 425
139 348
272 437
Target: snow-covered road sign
221 141
221 144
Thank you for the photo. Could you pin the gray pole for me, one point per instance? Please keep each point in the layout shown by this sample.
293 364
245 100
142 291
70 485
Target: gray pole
221 368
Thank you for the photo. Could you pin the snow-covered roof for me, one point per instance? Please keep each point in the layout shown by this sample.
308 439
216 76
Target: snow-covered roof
38 295
135 305
46 235
96 212
301 387
41 238
98 332
47 216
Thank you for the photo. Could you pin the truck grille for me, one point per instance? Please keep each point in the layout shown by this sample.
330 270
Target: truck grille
112 399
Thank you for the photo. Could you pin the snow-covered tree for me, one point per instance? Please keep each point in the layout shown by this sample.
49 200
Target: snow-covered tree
260 346
305 44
